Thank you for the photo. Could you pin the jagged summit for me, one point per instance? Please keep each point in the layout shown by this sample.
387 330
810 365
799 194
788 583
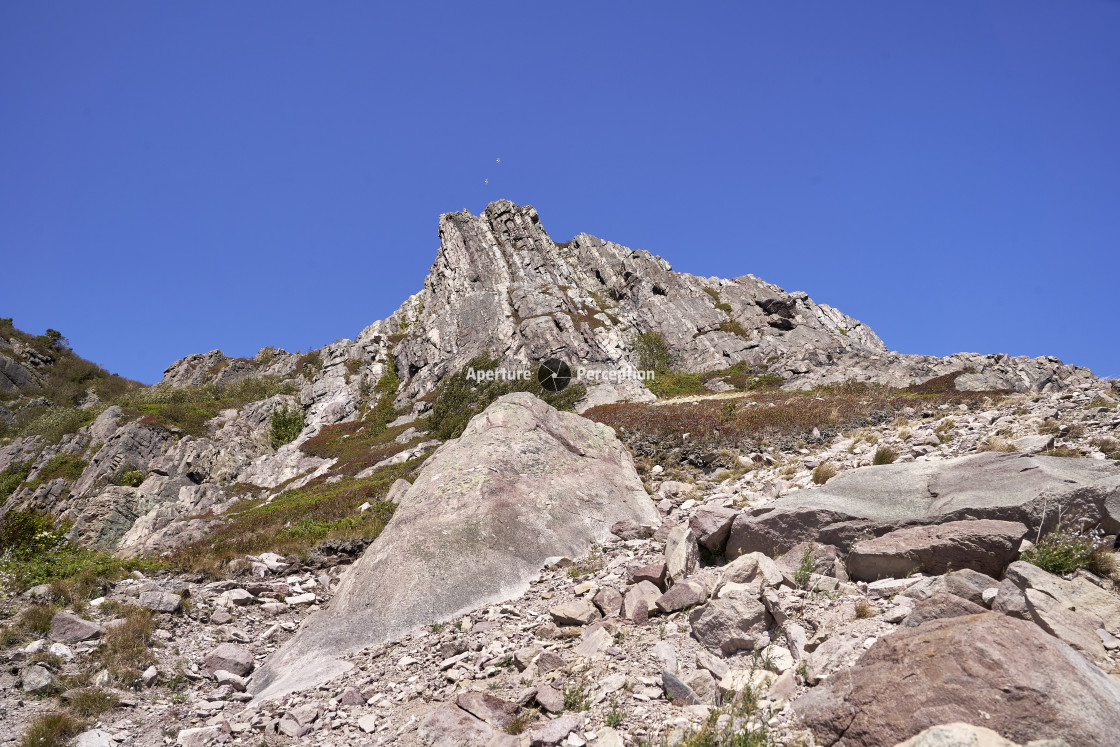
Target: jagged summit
500 285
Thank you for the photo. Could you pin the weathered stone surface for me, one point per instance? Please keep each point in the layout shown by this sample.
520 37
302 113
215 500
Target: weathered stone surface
686 593
95 738
639 599
1007 487
447 725
1076 594
967 584
199 736
554 732
949 670
730 624
939 606
987 546
749 568
37 680
230 657
579 612
958 734
654 573
70 628
550 699
712 526
609 601
494 711
677 691
464 535
681 554
160 601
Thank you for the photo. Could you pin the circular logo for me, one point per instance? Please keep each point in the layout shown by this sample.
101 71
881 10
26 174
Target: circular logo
553 375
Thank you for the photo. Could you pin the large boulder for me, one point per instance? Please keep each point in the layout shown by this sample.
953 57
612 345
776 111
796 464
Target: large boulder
1028 685
985 545
1021 488
523 483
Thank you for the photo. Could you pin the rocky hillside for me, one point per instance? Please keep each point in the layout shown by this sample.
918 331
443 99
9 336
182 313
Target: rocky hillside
464 563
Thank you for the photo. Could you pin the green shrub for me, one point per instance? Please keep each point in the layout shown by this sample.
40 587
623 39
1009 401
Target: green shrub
1069 548
66 466
739 722
457 399
129 477
11 478
384 410
287 424
651 352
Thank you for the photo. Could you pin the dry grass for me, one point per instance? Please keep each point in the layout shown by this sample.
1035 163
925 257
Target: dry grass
824 472
125 649
884 455
51 730
995 443
91 702
864 610
779 418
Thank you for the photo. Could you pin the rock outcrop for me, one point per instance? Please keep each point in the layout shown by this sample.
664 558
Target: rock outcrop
523 483
1027 684
1019 488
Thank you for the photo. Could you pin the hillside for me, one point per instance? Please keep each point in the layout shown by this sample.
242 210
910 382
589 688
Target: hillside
242 498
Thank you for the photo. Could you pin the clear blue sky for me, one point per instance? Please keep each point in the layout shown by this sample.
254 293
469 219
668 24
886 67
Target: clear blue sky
179 177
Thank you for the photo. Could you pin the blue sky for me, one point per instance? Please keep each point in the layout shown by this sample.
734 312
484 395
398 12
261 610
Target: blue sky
176 178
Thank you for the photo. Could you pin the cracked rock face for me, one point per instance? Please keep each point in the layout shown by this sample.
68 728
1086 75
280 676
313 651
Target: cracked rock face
523 483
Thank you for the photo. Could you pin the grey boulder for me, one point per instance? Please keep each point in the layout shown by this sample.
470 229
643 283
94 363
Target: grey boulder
523 483
1021 488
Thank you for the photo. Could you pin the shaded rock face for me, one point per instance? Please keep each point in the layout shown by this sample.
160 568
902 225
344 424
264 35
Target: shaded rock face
1019 488
1031 684
523 483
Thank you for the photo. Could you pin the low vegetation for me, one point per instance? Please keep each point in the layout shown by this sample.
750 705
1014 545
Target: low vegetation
739 722
696 433
884 455
286 425
36 551
297 520
457 399
1070 547
824 472
189 409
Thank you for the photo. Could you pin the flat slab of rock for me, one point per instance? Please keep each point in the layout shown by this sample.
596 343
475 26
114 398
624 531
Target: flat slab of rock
984 545
69 628
447 725
1029 684
525 482
686 593
579 612
967 584
494 711
939 606
992 485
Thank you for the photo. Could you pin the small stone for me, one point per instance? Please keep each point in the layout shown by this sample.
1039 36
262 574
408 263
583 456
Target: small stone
556 731
550 699
298 599
230 657
580 612
95 738
37 680
221 617
149 676
222 677
69 628
367 723
199 736
160 601
677 691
